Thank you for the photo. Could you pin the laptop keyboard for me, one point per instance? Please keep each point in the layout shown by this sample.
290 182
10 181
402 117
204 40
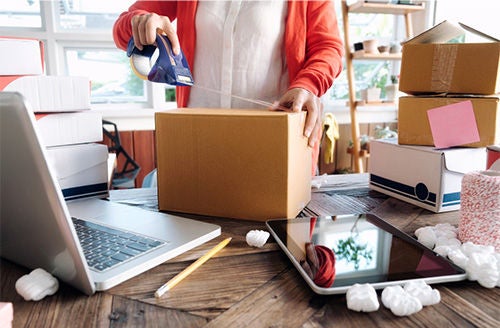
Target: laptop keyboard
106 247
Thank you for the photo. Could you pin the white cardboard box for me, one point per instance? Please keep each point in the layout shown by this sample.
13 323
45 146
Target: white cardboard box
58 129
81 170
421 175
21 56
51 93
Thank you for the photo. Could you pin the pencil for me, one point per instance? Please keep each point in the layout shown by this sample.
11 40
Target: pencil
187 271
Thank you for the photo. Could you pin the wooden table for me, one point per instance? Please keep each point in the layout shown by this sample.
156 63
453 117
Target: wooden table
244 286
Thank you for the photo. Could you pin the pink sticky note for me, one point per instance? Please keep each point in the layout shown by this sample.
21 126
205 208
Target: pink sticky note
453 125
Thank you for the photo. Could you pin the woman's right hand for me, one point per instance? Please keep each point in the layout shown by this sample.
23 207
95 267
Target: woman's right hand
146 26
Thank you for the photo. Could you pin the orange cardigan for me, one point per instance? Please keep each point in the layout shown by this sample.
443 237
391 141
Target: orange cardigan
313 46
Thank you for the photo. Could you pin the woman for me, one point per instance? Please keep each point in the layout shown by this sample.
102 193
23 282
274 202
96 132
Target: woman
265 50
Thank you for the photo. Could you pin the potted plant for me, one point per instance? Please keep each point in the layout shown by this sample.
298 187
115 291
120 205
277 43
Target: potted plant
375 90
391 90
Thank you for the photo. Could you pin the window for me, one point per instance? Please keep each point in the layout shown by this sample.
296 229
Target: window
20 14
77 36
387 29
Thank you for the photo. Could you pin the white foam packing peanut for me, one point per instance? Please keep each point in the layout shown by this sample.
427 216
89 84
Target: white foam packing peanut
257 238
481 262
440 234
400 302
362 298
36 285
484 269
423 292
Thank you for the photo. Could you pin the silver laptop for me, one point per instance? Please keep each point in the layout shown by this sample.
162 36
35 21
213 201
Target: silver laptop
39 229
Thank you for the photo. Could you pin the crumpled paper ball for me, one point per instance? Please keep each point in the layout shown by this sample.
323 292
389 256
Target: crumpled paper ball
362 298
422 291
400 302
257 238
36 285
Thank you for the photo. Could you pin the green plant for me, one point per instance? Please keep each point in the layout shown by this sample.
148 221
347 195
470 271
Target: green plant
352 251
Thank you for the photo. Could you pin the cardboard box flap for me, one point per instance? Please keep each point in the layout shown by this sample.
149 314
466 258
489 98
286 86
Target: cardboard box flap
446 31
80 158
226 112
478 33
453 160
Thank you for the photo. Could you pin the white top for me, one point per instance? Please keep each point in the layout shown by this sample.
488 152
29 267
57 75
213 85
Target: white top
239 51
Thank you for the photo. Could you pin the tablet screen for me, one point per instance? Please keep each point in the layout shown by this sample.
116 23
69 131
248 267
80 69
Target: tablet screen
334 252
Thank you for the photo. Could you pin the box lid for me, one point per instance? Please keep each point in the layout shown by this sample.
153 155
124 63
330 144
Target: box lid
453 158
464 160
446 31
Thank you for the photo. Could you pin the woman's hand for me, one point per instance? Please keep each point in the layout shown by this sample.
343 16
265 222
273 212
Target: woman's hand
146 26
298 99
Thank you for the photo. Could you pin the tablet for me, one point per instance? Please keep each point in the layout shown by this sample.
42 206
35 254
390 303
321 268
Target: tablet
357 248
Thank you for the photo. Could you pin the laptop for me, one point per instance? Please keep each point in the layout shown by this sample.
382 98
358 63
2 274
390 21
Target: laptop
358 248
40 229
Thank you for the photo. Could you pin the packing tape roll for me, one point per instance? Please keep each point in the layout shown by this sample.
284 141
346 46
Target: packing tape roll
142 65
480 208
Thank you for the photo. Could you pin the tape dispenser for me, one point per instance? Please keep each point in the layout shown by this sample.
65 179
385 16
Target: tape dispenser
157 63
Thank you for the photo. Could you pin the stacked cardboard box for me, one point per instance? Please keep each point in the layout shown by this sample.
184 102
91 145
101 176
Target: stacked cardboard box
419 167
438 74
65 125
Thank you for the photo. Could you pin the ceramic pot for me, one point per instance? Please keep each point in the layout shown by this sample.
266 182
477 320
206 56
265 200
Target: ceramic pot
371 94
391 92
370 46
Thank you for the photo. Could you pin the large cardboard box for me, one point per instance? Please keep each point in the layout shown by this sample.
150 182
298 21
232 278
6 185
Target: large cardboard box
81 170
413 123
430 65
421 175
245 164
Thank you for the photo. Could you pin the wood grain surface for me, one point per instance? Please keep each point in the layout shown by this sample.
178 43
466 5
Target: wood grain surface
242 286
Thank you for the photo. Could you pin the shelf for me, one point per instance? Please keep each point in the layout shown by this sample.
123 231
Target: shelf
369 56
363 153
362 103
384 8
362 7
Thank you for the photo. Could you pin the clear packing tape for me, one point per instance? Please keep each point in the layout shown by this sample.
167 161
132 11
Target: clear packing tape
443 66
480 208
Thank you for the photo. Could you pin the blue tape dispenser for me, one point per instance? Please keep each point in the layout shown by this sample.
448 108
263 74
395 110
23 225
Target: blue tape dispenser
159 64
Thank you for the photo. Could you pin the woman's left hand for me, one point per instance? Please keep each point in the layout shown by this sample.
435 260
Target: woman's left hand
298 99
